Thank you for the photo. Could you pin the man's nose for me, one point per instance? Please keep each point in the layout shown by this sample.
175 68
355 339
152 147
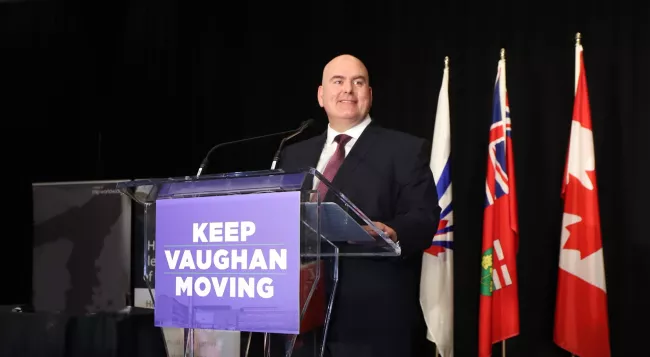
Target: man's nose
348 87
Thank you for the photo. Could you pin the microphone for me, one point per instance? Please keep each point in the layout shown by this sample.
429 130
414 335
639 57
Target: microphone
205 161
302 127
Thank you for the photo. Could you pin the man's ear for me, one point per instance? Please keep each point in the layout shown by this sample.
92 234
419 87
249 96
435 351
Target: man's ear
320 96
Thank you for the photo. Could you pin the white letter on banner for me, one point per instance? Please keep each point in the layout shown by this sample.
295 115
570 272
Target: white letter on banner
220 259
258 261
238 259
204 263
202 291
247 230
187 261
265 288
198 232
184 286
171 261
219 285
230 232
216 232
278 260
247 287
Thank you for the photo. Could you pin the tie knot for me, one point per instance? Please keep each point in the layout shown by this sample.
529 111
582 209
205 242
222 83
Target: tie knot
342 139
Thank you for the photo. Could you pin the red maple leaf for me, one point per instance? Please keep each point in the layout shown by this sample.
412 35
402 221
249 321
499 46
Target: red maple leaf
585 235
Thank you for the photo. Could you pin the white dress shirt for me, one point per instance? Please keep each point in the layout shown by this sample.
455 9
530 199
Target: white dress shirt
330 145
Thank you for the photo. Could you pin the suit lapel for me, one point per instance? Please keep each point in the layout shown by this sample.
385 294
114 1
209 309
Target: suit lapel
356 155
314 152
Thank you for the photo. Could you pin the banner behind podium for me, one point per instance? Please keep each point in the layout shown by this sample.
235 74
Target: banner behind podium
229 262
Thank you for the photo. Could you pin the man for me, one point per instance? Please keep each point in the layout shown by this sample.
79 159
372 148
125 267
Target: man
386 174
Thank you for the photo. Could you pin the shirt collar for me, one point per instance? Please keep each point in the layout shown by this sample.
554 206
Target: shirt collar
354 132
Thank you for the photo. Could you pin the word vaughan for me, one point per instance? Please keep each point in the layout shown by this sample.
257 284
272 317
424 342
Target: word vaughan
223 261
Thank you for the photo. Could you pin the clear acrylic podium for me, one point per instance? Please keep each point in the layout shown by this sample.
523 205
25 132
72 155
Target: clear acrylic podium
328 230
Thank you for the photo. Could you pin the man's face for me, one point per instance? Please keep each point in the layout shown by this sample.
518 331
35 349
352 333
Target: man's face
345 92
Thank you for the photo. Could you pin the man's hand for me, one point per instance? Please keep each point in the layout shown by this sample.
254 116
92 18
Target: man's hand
386 229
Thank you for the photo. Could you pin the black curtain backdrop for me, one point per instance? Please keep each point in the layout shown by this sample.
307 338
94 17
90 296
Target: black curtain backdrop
110 90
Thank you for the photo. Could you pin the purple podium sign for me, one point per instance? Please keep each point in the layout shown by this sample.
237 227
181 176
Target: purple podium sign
229 262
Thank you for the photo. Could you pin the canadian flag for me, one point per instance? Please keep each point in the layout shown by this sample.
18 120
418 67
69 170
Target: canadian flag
581 325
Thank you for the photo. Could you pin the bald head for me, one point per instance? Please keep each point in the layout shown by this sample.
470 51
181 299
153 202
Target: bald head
345 92
344 61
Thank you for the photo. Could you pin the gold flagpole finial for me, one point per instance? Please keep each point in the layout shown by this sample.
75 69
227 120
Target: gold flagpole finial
446 61
503 53
578 37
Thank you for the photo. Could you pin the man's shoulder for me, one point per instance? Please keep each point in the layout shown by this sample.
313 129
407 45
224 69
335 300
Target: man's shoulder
400 139
302 151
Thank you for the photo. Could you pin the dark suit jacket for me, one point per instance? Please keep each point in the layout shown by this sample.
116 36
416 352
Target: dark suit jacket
387 176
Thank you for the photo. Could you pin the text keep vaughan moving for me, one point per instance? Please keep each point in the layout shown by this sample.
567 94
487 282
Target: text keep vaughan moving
232 271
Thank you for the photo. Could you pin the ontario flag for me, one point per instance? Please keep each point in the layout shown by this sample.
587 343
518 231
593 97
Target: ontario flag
499 301
581 325
437 279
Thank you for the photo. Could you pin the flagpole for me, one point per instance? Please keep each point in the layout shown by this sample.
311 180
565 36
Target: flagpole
578 38
578 47
503 343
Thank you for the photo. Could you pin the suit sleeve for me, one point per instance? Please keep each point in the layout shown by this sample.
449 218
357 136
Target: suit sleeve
417 213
